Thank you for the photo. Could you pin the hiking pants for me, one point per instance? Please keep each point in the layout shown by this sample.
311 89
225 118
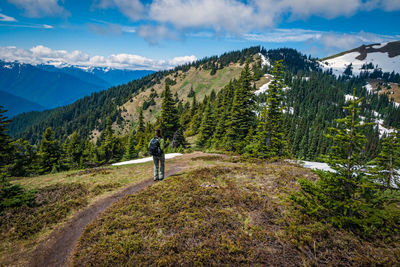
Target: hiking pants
159 160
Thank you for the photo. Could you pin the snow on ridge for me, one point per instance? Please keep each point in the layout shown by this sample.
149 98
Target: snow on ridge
264 61
264 87
369 88
382 59
350 97
382 129
379 45
8 67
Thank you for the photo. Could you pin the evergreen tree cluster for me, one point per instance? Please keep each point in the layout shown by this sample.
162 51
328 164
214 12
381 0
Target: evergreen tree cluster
352 197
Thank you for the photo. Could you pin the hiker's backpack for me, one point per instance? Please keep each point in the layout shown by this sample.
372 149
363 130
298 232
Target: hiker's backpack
155 149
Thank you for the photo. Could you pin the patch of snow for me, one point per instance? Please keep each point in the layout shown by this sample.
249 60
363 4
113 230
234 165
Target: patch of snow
376 114
312 165
379 45
264 61
291 110
305 78
382 129
350 97
8 66
382 59
396 104
136 161
369 88
264 87
317 166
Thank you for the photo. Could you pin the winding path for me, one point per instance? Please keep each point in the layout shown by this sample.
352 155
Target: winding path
57 249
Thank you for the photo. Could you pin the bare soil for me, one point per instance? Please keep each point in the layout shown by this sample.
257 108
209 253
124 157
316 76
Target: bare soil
59 246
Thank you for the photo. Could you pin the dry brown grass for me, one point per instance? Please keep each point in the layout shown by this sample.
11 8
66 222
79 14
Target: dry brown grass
393 91
231 214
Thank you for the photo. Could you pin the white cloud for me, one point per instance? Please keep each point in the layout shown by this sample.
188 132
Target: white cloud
40 8
302 9
284 35
345 41
133 9
45 55
241 18
387 5
6 18
223 15
33 26
182 60
154 34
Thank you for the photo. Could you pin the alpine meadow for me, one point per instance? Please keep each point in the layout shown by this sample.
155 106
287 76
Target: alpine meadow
281 150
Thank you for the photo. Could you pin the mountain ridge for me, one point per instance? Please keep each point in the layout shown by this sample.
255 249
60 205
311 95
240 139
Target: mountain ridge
384 57
50 87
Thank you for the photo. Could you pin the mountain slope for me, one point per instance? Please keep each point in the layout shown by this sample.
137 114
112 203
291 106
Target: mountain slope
102 77
366 58
49 89
17 105
50 86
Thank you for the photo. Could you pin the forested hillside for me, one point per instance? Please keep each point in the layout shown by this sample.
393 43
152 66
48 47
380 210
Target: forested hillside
214 103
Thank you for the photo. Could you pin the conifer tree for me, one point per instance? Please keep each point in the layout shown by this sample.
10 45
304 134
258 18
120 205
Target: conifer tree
74 147
49 153
242 116
130 151
169 116
90 156
111 148
387 163
207 126
5 144
23 157
346 197
179 141
140 122
270 137
195 115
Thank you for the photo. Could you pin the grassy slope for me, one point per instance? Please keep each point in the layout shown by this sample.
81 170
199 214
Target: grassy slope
201 81
59 196
234 213
393 92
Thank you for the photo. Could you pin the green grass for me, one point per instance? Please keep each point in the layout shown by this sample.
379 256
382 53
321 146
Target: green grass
229 214
59 196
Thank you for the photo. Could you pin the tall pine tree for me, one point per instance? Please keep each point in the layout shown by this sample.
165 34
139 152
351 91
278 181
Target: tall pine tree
49 153
169 115
242 116
5 144
387 163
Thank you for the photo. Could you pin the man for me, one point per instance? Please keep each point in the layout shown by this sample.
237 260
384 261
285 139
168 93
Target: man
156 149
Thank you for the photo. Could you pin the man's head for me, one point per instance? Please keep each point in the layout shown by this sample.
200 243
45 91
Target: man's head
158 132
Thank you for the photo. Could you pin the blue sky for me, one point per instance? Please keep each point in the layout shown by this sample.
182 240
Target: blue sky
158 34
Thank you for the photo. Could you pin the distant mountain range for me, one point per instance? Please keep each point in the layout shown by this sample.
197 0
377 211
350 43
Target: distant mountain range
33 88
384 57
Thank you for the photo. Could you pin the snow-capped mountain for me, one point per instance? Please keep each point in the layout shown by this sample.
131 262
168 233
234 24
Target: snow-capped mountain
366 58
47 86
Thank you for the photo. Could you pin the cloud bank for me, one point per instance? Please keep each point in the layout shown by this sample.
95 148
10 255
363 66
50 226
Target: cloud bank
234 16
44 55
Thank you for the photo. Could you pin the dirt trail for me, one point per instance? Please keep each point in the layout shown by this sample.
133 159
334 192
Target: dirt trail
59 246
